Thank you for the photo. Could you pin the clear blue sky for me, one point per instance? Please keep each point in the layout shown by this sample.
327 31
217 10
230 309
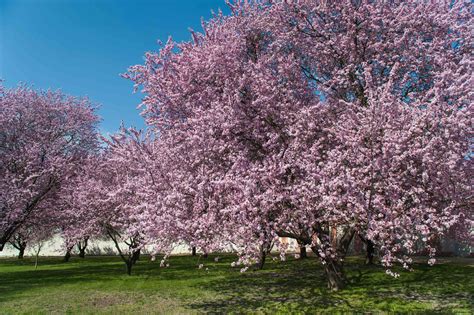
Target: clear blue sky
81 46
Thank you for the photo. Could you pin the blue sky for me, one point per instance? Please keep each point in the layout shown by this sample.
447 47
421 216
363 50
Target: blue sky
81 46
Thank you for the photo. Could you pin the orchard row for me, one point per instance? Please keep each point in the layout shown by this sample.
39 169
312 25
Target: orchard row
315 120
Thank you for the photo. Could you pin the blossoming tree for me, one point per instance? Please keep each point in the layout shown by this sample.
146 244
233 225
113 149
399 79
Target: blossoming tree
43 138
302 118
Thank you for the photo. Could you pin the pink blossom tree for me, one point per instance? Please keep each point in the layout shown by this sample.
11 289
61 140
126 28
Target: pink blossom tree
118 197
36 229
126 194
43 138
306 118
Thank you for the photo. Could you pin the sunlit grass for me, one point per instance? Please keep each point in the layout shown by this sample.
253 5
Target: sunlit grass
99 284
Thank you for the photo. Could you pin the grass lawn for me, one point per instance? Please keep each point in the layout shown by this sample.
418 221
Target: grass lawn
99 284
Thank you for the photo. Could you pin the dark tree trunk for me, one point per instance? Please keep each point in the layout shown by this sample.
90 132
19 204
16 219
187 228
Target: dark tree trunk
133 252
335 275
21 252
19 243
334 270
261 260
81 246
135 256
334 267
369 250
129 265
67 256
6 236
8 233
369 258
193 251
303 253
82 253
205 255
265 249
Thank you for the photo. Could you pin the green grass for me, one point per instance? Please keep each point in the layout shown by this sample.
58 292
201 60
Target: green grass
100 285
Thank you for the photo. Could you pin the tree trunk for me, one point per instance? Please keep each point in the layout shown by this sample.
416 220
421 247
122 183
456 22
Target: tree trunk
265 249
38 250
129 265
36 260
261 260
193 251
67 256
19 243
334 267
333 236
82 253
135 256
81 246
21 252
8 233
369 258
205 255
129 258
303 253
335 275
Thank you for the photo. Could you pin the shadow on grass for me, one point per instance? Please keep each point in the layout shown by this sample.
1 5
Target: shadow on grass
300 286
19 276
291 286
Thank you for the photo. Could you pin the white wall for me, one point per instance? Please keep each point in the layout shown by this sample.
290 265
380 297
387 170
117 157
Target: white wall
55 247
